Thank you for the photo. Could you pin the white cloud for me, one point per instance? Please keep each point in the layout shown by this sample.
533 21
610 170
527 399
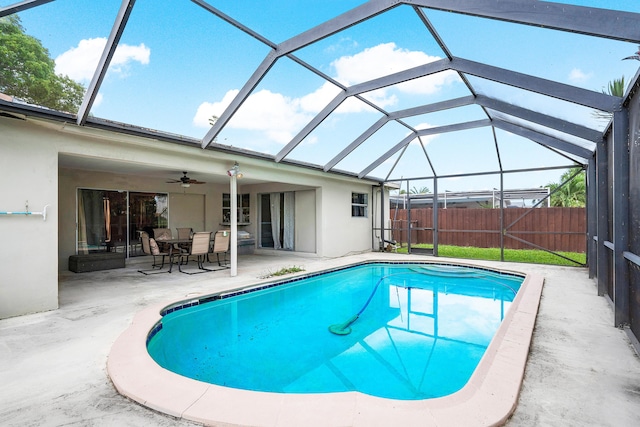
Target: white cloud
79 63
376 62
316 101
98 100
578 76
425 139
387 59
281 117
206 110
272 113
342 44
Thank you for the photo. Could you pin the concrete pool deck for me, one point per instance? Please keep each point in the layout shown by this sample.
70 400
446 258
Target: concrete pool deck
581 370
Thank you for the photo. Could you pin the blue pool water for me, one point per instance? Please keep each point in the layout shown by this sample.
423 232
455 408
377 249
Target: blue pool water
421 335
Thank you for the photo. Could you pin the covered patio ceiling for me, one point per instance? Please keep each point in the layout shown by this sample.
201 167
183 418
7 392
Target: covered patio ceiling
381 90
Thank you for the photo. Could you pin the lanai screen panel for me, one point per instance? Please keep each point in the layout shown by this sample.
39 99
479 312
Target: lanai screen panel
262 74
634 210
447 117
518 153
542 52
281 105
341 127
578 141
192 64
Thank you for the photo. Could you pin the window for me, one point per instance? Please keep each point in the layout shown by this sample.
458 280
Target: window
359 204
243 208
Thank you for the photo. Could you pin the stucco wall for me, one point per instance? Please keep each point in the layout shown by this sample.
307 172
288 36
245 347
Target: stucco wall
28 245
337 233
343 234
34 251
305 215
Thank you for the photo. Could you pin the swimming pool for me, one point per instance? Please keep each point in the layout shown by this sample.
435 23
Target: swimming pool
488 398
413 331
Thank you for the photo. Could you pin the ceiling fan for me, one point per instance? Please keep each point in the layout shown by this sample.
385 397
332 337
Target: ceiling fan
185 181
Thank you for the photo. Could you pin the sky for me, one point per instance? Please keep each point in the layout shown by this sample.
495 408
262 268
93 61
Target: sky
178 65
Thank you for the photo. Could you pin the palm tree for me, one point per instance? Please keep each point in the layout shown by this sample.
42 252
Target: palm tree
573 194
616 88
421 190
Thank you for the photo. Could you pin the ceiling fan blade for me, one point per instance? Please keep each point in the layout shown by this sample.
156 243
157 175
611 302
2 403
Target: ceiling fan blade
185 180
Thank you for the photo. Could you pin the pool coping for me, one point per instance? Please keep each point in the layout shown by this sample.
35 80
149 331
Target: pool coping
488 399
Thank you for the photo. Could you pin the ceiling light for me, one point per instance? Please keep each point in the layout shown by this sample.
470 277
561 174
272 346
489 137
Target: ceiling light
235 171
185 185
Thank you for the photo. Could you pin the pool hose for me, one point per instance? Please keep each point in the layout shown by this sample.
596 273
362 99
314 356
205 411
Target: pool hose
344 328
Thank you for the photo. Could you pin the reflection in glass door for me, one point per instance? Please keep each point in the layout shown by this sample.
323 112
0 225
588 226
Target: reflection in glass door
103 224
277 220
102 221
146 212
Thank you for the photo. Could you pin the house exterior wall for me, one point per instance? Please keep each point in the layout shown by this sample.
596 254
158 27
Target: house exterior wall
305 214
28 245
34 251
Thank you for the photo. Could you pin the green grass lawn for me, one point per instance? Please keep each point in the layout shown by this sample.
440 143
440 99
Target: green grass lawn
515 255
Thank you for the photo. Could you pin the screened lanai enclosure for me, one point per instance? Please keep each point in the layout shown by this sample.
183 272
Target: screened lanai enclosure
437 94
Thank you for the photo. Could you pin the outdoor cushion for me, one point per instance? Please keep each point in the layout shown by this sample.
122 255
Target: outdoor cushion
154 247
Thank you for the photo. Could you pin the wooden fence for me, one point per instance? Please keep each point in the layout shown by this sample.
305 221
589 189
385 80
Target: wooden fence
554 229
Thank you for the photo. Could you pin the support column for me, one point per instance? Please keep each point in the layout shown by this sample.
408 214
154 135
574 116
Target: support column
592 217
382 218
602 267
620 216
233 242
435 216
501 216
408 219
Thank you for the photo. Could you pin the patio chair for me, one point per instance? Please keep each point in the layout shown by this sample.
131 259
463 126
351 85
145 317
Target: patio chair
199 248
221 246
160 234
184 233
150 247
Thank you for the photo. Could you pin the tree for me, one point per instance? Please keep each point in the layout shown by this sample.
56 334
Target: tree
28 73
421 190
572 194
616 88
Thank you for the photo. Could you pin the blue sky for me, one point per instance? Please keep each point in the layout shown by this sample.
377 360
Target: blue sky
178 65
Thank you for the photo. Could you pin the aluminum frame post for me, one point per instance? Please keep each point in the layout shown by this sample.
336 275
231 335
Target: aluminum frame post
435 216
408 219
502 230
592 218
602 267
233 249
382 216
620 216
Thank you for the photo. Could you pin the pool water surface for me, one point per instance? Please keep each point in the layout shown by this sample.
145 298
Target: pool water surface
421 332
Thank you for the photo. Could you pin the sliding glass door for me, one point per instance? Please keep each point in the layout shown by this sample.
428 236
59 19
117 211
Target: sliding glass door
109 221
277 220
146 212
102 221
